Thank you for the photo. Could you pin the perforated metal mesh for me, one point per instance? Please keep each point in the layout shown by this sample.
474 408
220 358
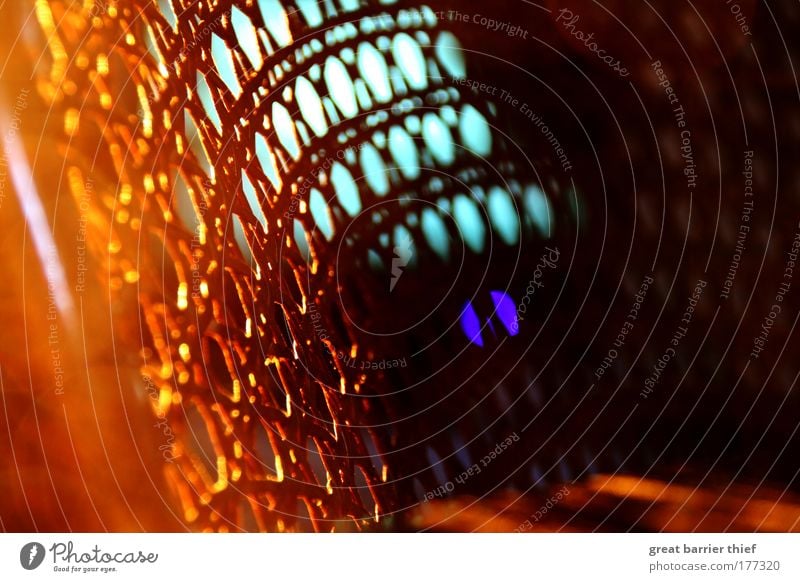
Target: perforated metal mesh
264 154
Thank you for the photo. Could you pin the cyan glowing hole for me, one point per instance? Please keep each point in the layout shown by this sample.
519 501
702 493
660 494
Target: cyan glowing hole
301 240
165 6
503 215
435 232
321 213
346 189
265 158
538 209
408 56
310 106
349 5
247 37
373 69
449 53
474 130
340 87
404 152
310 11
284 127
471 325
438 139
470 222
183 204
241 239
207 100
276 21
252 200
374 170
223 61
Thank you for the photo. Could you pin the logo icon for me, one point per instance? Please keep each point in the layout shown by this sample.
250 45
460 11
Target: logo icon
31 555
403 254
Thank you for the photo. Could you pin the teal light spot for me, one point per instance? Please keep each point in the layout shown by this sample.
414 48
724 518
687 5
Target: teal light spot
374 170
449 53
538 210
321 213
223 61
474 130
152 45
301 240
470 222
165 6
340 87
248 39
241 239
276 21
404 152
438 139
252 200
349 5
373 69
346 189
207 100
374 260
310 11
447 112
266 160
311 106
362 93
284 127
435 232
183 204
503 215
408 56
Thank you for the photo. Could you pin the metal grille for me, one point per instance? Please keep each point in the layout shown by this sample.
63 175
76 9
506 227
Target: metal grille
264 155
